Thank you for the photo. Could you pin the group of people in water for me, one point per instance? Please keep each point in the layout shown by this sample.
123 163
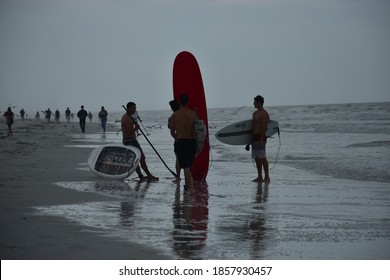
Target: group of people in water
181 126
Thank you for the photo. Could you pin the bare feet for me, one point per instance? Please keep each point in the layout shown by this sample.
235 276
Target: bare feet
258 180
177 180
152 178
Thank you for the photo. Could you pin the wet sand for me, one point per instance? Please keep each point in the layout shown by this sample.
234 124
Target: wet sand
53 207
33 159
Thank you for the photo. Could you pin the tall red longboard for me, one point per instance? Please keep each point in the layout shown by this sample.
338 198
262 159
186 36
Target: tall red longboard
187 79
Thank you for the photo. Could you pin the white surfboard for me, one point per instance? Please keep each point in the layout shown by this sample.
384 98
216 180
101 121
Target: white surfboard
114 161
240 133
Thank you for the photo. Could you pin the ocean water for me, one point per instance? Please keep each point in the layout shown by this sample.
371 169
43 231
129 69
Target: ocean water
329 196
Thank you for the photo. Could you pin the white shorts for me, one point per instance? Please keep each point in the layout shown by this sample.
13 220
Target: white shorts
258 150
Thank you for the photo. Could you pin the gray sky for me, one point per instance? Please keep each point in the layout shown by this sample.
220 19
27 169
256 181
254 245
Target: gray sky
59 53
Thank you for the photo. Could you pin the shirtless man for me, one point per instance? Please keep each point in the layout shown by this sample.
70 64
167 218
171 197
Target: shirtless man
129 128
182 130
175 107
259 128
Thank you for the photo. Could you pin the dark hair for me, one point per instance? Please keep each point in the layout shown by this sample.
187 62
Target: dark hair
184 99
174 105
130 104
260 99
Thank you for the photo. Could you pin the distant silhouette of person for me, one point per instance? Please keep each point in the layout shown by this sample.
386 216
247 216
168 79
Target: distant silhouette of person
174 107
57 115
48 114
22 114
9 120
82 115
103 118
67 114
37 116
90 116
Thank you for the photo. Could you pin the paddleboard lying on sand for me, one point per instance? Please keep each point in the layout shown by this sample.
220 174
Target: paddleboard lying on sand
188 79
114 161
240 133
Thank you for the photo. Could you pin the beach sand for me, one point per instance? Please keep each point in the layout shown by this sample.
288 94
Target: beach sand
32 160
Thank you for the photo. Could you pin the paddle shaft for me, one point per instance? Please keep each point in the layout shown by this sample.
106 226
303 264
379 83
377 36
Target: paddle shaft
173 173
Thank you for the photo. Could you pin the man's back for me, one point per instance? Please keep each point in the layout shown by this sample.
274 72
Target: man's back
183 123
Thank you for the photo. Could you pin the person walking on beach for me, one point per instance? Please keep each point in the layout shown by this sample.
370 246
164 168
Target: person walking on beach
82 115
103 118
174 107
48 114
129 128
260 122
183 131
9 120
67 114
57 115
22 113
90 116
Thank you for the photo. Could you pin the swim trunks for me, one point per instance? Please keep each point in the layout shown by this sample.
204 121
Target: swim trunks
258 150
132 142
186 150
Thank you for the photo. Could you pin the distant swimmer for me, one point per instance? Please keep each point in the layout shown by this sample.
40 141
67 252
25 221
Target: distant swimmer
260 122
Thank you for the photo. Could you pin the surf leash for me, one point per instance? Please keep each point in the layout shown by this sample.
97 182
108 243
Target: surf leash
150 143
277 154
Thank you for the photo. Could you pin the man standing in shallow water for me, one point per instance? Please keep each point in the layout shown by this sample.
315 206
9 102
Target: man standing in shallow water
182 130
259 129
129 128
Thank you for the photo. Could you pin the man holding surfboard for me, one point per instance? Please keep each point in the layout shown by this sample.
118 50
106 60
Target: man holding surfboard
260 122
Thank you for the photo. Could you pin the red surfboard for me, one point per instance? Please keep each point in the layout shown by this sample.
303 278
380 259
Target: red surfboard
188 79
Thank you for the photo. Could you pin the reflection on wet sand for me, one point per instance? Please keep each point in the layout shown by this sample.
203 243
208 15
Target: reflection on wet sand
128 207
257 227
231 219
190 222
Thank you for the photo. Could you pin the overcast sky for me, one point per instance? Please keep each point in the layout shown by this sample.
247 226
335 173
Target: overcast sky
60 53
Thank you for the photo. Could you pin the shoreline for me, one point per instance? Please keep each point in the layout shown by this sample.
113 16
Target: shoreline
52 198
35 158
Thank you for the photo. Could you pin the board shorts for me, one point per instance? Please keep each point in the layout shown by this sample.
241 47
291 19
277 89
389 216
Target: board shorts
186 150
132 142
258 150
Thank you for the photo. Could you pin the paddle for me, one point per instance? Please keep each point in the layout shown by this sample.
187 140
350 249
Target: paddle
173 173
